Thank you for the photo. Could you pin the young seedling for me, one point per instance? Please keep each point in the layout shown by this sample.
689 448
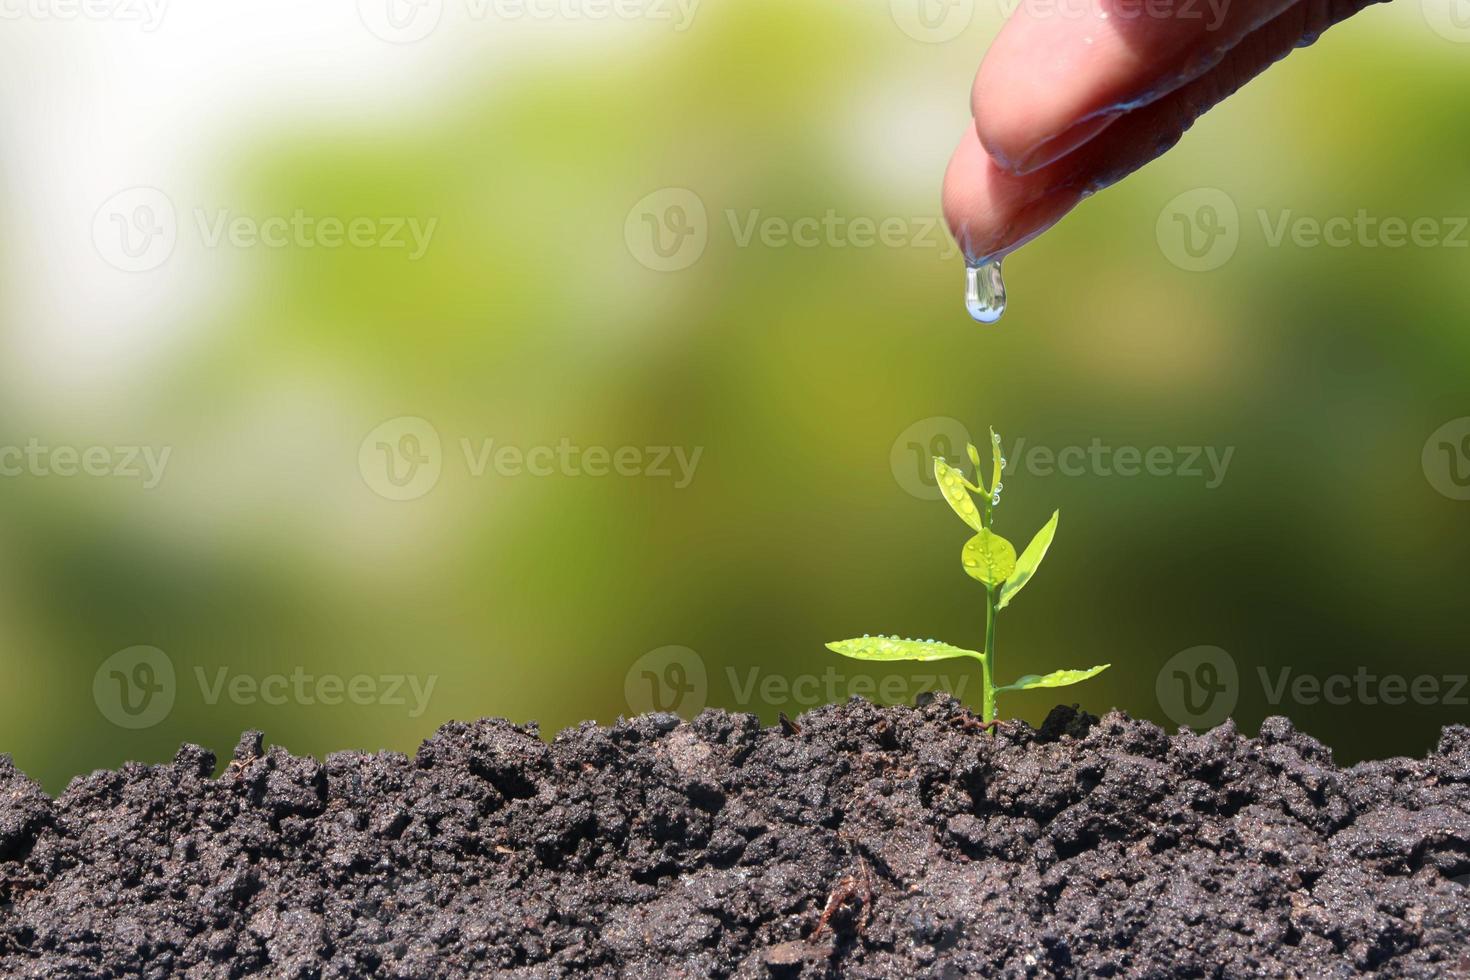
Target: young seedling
990 560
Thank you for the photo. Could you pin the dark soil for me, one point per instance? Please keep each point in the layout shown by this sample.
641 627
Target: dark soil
858 841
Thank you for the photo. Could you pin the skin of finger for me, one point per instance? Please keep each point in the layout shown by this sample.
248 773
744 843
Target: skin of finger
1060 70
992 211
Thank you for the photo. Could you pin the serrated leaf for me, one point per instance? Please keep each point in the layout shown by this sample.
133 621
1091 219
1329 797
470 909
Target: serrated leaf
952 485
1029 561
1057 678
893 648
989 558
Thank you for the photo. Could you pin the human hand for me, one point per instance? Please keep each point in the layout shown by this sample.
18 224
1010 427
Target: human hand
1074 95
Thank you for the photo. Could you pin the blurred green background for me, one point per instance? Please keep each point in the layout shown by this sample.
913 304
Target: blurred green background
808 379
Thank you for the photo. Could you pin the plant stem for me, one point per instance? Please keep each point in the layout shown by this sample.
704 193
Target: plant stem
988 663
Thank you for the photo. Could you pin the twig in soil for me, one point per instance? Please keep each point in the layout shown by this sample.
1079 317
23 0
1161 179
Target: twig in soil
788 726
849 887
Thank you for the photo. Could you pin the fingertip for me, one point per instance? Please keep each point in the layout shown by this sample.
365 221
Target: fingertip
1001 129
1051 150
991 211
1030 91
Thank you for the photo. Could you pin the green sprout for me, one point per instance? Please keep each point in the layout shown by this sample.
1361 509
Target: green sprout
990 560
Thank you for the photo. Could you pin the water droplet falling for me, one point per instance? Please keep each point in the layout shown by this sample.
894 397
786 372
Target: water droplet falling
985 291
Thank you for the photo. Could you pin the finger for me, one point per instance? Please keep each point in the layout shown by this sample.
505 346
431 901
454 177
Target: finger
1061 71
992 211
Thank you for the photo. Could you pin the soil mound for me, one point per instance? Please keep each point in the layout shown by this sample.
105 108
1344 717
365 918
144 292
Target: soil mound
858 841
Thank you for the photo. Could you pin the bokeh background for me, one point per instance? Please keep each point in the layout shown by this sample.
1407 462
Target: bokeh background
801 379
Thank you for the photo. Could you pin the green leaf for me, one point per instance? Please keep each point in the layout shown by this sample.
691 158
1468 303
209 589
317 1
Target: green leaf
1057 678
989 558
1029 561
952 485
893 648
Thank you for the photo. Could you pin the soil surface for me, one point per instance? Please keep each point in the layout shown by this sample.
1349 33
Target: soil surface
857 841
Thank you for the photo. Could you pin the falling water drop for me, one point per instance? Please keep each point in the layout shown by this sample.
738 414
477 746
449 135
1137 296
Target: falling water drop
985 291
